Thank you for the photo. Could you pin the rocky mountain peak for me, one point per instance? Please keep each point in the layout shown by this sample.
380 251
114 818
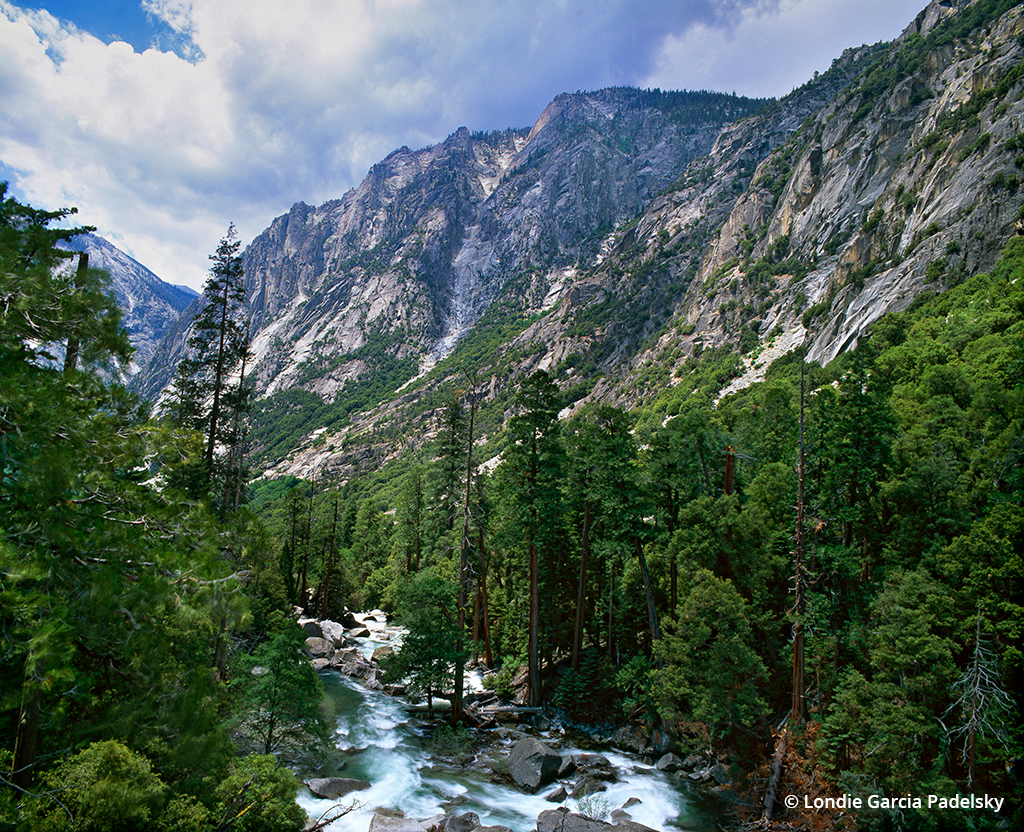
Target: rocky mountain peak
149 305
629 231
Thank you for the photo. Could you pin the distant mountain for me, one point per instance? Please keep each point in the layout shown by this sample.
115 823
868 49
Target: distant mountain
149 305
626 233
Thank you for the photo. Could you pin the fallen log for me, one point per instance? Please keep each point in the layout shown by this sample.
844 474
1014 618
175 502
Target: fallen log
773 783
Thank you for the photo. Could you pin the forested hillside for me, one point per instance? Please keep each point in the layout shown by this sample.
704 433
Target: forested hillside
644 566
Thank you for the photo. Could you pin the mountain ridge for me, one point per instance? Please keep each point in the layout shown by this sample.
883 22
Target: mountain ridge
149 305
629 231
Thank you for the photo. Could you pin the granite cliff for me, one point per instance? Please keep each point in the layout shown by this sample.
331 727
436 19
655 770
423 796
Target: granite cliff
627 232
150 306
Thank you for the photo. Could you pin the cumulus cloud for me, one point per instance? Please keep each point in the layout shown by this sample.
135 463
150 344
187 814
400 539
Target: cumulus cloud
768 52
262 103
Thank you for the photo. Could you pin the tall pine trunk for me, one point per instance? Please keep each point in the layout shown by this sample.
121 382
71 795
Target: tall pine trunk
581 590
460 670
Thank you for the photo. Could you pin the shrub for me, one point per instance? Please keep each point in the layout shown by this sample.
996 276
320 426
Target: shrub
106 787
258 796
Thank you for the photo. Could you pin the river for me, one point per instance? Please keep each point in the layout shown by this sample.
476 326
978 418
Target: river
382 740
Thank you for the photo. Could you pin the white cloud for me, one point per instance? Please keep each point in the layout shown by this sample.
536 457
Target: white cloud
278 102
770 52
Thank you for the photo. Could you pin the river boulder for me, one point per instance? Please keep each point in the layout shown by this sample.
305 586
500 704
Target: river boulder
389 823
319 648
670 763
383 652
466 822
531 764
632 738
331 788
562 820
333 632
557 796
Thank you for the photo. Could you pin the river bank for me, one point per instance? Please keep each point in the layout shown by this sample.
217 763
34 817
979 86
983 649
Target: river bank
418 774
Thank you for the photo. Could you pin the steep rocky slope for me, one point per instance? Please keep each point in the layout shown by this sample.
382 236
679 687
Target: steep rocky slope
149 305
628 232
407 262
905 180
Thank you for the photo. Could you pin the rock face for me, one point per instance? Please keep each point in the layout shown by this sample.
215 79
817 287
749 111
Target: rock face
389 823
150 307
562 820
331 788
531 764
626 232
388 278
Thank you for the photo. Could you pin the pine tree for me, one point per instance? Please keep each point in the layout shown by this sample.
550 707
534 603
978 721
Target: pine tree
107 588
207 394
531 477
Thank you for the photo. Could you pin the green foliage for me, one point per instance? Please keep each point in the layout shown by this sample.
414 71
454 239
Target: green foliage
110 588
592 805
530 520
451 741
588 695
205 396
501 682
425 605
711 672
259 796
104 788
282 420
280 696
814 312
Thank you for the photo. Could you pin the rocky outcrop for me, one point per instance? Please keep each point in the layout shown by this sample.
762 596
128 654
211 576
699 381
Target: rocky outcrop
879 194
149 306
392 275
553 820
331 788
381 822
430 237
531 764
562 820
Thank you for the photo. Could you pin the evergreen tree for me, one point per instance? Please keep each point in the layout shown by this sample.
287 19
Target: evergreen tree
711 672
281 696
431 651
604 476
209 388
108 589
532 520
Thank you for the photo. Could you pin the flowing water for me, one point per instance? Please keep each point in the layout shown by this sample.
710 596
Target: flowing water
382 741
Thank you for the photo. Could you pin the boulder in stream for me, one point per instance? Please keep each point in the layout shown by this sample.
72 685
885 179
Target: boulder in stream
562 820
531 764
389 823
319 648
333 632
466 822
557 796
331 788
670 763
383 652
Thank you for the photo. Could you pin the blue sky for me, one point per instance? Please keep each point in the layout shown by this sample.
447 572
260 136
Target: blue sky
111 20
165 120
